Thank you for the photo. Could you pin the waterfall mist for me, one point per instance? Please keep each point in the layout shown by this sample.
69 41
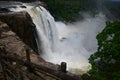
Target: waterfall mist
78 41
72 43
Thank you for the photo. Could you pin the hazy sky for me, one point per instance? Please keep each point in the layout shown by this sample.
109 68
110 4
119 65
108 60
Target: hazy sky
115 0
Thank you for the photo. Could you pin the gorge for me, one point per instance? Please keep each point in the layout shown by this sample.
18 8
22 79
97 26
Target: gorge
59 42
59 39
71 43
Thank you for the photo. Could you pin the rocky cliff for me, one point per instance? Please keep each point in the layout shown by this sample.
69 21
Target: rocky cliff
12 45
17 35
14 58
21 23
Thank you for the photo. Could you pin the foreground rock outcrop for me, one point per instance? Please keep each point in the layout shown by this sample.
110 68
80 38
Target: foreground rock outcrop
21 23
11 44
17 35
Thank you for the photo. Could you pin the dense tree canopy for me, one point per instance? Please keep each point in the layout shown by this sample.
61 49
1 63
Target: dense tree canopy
106 61
68 10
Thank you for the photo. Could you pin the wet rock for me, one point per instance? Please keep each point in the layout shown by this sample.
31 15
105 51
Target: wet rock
23 6
4 10
63 38
63 67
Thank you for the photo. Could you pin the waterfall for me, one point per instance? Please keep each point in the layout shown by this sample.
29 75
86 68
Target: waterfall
71 43
45 28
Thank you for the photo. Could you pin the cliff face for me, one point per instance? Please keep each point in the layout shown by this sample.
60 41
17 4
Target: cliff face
21 23
17 30
11 44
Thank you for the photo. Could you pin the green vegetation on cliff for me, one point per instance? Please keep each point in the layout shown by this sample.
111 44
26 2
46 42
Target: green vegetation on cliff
106 61
68 10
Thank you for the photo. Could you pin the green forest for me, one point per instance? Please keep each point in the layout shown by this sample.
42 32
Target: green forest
68 10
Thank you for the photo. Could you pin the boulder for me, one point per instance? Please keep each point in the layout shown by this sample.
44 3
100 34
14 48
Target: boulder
4 10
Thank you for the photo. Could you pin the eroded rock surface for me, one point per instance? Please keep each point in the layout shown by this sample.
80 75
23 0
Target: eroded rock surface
21 23
13 44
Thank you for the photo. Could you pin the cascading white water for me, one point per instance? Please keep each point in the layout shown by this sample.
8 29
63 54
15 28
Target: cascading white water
71 43
45 28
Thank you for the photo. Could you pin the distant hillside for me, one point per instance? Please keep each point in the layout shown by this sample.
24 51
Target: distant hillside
113 7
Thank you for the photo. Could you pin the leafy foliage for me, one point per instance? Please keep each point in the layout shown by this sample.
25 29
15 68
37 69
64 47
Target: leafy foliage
107 67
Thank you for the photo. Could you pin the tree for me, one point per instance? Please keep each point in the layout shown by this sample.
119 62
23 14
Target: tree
68 10
106 61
